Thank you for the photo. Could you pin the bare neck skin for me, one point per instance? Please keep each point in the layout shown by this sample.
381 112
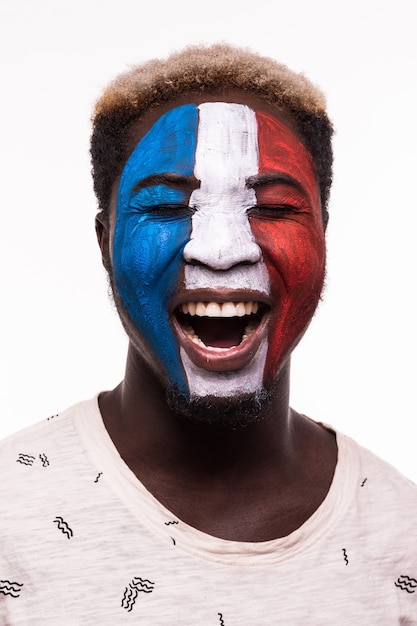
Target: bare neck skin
255 483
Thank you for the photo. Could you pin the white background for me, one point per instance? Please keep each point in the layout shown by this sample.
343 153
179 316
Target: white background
60 339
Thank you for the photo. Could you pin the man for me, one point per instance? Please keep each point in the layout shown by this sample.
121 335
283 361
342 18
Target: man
192 493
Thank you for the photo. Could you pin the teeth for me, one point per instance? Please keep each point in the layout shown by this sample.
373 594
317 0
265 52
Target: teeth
190 308
216 309
213 310
249 330
229 309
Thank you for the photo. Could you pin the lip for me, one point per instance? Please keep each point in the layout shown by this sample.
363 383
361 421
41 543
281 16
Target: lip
225 359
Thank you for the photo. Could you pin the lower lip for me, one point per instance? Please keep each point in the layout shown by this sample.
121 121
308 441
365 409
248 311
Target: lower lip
224 360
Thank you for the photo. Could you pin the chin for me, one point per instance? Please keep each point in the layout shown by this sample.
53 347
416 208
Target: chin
225 383
234 411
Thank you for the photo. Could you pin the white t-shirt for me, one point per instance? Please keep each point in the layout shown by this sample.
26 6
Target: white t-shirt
82 542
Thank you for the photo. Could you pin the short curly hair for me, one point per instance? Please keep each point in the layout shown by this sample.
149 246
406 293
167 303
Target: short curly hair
205 69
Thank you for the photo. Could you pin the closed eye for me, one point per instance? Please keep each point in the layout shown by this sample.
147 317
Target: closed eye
274 211
278 197
169 210
161 201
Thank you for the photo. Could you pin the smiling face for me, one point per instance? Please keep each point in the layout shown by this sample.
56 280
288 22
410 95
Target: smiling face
218 248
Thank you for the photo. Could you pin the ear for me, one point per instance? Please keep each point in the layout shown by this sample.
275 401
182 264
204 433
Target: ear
325 219
103 238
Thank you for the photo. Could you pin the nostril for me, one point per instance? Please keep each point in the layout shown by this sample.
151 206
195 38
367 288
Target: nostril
192 261
221 255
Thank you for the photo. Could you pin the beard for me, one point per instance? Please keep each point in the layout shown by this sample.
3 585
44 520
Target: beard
233 413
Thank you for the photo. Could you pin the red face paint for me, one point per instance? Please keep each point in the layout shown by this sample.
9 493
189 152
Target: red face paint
288 226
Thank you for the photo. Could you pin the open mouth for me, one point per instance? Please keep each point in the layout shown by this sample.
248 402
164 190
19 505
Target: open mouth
219 326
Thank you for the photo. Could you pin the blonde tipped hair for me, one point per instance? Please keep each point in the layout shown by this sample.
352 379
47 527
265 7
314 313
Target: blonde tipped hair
205 69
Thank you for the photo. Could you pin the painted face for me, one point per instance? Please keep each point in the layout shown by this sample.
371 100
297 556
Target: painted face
218 250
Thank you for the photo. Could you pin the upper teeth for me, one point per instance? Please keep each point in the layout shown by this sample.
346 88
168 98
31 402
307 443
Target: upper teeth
217 309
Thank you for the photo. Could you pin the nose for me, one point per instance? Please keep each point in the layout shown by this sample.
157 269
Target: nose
221 240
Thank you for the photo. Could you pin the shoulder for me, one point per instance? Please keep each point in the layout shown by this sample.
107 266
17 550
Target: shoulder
27 444
384 503
41 455
375 472
43 471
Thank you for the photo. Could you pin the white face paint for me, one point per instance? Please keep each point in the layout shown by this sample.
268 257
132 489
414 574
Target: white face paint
226 384
222 252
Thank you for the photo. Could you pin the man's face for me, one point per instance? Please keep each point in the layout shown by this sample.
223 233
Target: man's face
218 248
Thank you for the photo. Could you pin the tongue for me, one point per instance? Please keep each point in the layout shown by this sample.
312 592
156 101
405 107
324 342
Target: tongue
219 332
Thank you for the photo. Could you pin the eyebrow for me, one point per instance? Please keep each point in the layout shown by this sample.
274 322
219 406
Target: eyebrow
170 179
273 179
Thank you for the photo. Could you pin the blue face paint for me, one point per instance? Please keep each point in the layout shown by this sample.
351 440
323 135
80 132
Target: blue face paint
150 233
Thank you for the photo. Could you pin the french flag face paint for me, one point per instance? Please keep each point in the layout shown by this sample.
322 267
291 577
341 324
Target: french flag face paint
288 226
151 232
218 249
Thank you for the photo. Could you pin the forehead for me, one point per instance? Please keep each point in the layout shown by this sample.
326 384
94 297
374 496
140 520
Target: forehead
140 127
235 135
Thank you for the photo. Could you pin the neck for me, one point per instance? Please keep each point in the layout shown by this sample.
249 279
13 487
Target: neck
250 483
145 429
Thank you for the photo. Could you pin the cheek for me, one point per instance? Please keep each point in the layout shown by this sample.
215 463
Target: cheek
295 258
147 261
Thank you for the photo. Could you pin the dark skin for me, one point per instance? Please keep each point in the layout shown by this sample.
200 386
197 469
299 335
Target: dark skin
255 483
